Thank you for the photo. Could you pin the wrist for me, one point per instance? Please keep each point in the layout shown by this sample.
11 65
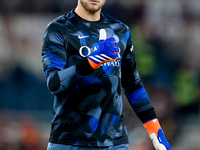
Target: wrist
157 135
83 67
152 126
92 64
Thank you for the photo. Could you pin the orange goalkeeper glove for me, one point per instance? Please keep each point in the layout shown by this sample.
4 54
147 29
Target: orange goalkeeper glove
108 50
157 135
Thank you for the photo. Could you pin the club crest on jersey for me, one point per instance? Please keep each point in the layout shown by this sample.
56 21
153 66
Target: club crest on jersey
116 38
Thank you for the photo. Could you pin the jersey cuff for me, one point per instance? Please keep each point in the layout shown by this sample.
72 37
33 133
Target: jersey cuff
83 67
147 115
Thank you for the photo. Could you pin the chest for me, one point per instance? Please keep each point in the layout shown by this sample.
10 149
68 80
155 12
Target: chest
83 39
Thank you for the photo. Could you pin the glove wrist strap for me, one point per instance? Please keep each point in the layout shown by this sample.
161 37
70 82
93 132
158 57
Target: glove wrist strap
152 126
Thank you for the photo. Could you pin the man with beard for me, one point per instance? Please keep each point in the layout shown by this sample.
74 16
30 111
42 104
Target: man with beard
87 56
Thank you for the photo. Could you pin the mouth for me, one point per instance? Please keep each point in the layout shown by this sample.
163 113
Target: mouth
94 1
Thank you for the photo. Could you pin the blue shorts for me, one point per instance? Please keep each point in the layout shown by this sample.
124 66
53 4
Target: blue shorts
52 146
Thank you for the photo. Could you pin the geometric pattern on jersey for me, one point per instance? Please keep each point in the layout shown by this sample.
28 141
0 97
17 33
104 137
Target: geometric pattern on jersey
89 112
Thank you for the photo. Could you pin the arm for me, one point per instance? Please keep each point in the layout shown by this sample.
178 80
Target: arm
139 100
60 78
54 57
142 106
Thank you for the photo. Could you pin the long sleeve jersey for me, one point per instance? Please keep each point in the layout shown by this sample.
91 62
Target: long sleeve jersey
87 108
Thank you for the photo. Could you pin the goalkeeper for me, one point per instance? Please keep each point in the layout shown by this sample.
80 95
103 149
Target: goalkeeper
87 56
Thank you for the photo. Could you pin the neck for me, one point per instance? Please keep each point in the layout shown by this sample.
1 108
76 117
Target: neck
87 15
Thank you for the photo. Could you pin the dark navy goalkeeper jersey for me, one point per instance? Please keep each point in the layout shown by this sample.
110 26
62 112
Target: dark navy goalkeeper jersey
87 109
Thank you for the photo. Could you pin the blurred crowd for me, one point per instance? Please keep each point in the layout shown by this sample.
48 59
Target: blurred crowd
166 37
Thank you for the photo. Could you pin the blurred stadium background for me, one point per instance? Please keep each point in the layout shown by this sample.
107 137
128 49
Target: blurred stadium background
166 36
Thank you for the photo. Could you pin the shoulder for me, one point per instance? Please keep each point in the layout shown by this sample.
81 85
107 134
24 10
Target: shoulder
56 24
55 31
64 21
112 20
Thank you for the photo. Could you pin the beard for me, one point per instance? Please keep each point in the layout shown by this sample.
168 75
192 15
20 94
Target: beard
92 8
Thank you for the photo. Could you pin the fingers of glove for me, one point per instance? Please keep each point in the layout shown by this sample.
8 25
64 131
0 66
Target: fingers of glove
156 143
158 146
108 49
110 44
163 140
102 34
